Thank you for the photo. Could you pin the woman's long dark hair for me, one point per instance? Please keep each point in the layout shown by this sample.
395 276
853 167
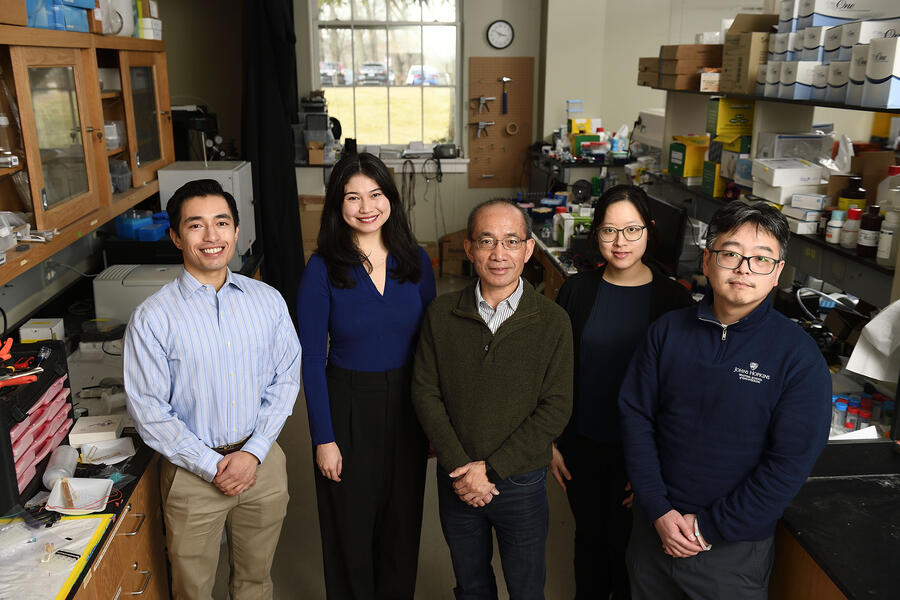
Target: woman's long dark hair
638 198
335 242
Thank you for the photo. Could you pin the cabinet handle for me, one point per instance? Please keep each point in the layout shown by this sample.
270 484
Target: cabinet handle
143 589
165 113
140 523
89 129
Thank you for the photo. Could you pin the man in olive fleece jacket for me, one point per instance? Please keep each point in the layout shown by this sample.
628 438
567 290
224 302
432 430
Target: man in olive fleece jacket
492 404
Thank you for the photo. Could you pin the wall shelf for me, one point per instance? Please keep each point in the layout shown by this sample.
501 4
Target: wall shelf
15 35
10 170
111 95
813 103
115 151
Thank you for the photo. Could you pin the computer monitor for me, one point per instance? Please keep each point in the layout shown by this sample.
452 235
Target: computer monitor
671 223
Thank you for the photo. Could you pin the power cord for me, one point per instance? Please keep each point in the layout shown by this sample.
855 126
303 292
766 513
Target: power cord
408 190
50 261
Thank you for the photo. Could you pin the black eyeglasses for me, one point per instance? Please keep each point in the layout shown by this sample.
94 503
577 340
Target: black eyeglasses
510 243
632 233
761 265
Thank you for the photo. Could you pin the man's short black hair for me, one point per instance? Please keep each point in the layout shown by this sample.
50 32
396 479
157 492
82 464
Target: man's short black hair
735 214
197 189
470 223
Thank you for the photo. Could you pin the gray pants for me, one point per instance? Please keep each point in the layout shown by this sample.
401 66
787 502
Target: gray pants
730 570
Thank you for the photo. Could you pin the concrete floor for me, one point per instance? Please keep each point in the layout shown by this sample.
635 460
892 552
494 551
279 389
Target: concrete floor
297 572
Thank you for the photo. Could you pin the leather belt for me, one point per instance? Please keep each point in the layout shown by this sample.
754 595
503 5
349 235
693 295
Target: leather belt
230 448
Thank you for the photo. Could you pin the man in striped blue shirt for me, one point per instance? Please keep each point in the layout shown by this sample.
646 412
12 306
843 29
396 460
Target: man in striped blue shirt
212 371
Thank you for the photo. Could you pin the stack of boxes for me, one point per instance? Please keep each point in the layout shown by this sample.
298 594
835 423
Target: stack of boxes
648 71
681 66
86 16
729 122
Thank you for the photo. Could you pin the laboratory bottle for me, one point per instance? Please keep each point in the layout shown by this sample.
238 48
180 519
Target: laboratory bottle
834 226
877 402
886 255
869 230
838 416
823 222
62 464
887 412
852 419
5 135
883 194
865 417
850 230
854 193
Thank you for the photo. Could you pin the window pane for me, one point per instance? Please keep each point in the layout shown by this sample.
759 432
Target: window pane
371 115
370 47
334 10
340 106
406 114
440 55
369 10
439 10
439 114
404 10
335 64
405 51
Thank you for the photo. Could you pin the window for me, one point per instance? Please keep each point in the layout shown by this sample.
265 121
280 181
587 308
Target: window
389 68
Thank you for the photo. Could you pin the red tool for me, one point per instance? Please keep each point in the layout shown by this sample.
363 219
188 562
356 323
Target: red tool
18 380
24 363
4 351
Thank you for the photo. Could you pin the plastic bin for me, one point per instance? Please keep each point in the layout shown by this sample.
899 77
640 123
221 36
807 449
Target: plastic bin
130 221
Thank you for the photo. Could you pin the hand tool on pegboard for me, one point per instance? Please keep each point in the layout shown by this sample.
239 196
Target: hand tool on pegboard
504 81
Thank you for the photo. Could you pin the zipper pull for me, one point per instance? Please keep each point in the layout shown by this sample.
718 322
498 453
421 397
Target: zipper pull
724 330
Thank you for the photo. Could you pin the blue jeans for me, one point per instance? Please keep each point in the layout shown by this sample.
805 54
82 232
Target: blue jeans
520 517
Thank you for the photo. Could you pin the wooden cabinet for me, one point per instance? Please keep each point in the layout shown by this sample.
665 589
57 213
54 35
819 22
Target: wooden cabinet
133 560
553 279
145 87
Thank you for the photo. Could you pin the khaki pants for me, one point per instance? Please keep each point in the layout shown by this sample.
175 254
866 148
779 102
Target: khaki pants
195 513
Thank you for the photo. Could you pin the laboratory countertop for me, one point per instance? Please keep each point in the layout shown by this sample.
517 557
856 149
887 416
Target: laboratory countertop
553 253
847 518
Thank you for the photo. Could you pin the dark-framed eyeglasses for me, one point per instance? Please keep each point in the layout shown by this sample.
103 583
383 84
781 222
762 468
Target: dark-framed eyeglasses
632 233
511 243
761 265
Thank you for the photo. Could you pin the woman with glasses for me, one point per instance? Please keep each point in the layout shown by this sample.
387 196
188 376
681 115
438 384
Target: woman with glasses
611 308
360 306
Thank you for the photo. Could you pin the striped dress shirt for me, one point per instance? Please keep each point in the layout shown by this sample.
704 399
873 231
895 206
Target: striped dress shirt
205 369
505 308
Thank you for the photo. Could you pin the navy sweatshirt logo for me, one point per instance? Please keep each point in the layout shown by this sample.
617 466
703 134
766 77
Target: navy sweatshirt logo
752 374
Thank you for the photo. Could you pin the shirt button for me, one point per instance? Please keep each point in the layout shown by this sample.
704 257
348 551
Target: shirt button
233 402
229 344
234 430
232 374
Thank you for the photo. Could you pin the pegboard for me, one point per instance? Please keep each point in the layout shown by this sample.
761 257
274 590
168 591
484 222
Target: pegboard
496 158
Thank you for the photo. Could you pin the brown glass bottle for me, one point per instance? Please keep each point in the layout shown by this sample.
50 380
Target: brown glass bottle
869 230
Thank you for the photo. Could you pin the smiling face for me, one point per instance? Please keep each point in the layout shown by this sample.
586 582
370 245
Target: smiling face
738 291
499 268
366 208
207 238
621 254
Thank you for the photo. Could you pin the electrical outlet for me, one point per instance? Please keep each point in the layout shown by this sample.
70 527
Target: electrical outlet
49 271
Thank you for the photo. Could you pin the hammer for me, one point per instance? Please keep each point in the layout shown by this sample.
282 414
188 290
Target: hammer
504 80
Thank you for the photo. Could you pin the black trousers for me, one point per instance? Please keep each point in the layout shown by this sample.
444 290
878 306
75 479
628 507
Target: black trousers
602 524
371 520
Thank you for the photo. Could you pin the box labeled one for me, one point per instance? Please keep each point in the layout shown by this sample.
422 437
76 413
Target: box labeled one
729 116
882 87
745 50
686 155
782 46
832 44
856 76
812 13
863 32
770 52
796 42
787 16
773 78
814 43
761 80
820 82
782 194
838 76
796 79
781 172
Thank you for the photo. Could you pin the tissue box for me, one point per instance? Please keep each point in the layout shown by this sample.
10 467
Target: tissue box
801 214
832 44
820 82
838 77
796 80
787 16
882 87
802 227
729 116
782 194
816 202
856 75
812 13
36 330
813 43
780 172
773 77
863 32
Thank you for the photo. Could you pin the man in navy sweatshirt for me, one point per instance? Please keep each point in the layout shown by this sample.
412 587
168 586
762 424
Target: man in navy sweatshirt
724 410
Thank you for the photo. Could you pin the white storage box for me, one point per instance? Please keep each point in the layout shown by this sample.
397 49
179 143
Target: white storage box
856 76
787 16
95 429
801 214
36 330
820 83
782 47
814 43
780 172
773 76
795 41
796 79
650 131
782 194
863 32
832 44
812 13
803 227
810 201
882 87
761 80
838 76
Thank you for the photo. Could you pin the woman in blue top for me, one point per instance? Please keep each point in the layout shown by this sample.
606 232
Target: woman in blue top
365 290
611 309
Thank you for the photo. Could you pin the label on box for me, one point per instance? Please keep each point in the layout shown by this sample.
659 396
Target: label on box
882 87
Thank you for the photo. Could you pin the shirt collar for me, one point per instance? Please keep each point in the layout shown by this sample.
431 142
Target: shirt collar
705 312
189 284
512 300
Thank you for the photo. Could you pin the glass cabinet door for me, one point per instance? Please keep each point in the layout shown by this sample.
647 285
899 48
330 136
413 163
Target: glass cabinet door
50 86
148 116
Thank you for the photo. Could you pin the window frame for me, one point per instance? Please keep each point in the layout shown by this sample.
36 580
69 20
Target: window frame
315 79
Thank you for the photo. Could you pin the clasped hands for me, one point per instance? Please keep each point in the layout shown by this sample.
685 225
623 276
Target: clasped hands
676 531
471 484
236 473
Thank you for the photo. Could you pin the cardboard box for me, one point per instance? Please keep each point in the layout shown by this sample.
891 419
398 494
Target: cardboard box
13 12
838 77
310 219
711 52
648 63
729 116
783 194
812 13
782 48
773 78
746 44
709 81
802 227
713 184
316 151
787 16
856 75
796 80
781 172
801 214
648 78
680 82
580 125
882 87
796 44
761 80
832 43
815 202
873 167
820 82
814 43
729 162
36 330
863 32
453 254
686 155
684 67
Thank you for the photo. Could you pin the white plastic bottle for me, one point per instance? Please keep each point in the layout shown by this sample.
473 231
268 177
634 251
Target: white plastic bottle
5 137
834 226
883 195
62 464
850 230
887 239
